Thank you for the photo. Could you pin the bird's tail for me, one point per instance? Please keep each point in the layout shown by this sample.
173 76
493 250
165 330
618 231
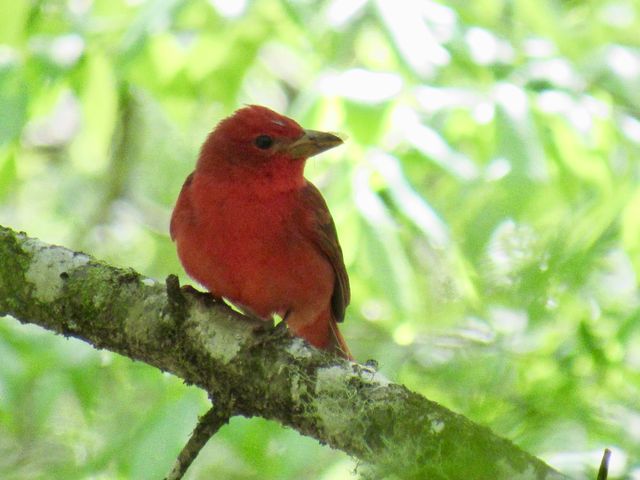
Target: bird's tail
338 342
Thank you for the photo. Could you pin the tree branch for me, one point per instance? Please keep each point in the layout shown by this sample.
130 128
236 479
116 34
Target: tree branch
267 373
208 425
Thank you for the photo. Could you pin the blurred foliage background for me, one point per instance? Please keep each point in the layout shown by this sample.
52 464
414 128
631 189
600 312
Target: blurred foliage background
487 201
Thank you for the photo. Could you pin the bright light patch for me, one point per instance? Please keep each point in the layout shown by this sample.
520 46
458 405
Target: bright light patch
81 7
439 14
433 99
8 55
229 8
508 321
285 63
556 71
431 144
512 99
580 112
404 335
539 48
497 169
340 12
373 310
413 37
483 113
631 128
615 282
486 48
619 15
624 62
66 49
362 85
57 128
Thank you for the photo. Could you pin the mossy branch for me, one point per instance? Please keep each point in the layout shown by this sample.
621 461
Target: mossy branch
267 373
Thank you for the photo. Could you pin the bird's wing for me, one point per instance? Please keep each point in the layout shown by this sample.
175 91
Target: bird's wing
320 229
183 207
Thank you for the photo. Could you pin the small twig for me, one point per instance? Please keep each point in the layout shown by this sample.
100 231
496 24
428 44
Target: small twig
603 472
208 424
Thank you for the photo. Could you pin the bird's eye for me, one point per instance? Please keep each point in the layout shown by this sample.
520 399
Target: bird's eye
263 141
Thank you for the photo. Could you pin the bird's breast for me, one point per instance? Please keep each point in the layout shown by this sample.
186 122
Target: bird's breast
253 252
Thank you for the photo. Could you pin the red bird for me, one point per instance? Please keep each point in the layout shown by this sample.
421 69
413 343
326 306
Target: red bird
250 227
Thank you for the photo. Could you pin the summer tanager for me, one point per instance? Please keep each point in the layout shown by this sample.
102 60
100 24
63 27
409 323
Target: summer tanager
250 228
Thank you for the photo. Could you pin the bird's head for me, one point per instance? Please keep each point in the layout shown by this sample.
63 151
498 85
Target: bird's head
257 139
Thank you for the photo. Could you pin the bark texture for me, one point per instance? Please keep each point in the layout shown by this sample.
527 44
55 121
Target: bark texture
267 373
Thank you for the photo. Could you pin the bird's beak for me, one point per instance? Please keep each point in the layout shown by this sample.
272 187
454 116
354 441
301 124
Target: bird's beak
312 143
